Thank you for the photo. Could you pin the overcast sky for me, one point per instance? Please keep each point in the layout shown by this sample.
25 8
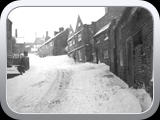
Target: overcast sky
31 20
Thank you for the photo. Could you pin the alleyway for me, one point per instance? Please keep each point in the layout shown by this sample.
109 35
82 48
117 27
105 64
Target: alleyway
58 85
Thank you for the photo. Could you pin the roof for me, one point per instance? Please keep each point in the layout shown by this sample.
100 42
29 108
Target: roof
53 37
71 33
39 41
103 29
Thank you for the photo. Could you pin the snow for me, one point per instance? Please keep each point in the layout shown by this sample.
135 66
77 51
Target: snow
56 84
12 70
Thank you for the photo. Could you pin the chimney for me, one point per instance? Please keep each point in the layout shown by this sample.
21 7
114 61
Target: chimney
61 29
93 27
16 33
106 10
46 33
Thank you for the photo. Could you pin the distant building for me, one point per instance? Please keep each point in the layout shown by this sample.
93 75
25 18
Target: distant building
38 42
55 45
33 47
47 36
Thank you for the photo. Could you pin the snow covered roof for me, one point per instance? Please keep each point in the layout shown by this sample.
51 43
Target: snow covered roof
52 38
103 29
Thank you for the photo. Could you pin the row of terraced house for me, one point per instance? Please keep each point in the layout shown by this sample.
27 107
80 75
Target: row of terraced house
122 39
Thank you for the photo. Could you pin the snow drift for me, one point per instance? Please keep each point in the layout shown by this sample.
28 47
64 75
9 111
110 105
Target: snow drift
56 84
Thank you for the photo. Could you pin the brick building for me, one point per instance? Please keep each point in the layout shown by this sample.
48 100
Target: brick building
134 47
79 46
102 30
55 45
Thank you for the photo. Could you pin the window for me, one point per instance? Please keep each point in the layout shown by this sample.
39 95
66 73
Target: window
106 38
51 44
79 37
97 40
80 55
70 43
137 39
73 41
121 57
79 24
105 54
70 32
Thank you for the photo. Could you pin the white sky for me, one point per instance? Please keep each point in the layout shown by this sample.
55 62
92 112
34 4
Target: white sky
31 20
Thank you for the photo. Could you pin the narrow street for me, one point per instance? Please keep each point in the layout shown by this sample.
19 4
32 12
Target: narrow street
55 84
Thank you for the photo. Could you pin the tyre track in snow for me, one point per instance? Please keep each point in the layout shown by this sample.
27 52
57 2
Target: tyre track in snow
25 99
51 100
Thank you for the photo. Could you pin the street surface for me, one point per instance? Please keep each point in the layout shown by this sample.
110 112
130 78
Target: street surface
56 84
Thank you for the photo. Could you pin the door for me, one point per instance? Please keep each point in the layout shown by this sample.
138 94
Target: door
130 79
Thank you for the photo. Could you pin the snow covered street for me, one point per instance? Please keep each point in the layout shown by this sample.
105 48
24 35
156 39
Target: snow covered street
56 84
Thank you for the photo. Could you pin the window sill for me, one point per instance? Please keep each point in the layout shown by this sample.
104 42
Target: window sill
106 58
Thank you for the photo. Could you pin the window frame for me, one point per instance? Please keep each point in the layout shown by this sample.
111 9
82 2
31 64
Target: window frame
73 41
79 36
106 37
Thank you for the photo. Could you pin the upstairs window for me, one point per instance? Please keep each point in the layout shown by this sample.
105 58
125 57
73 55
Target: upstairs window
97 40
70 43
79 37
106 37
137 39
79 24
70 32
73 41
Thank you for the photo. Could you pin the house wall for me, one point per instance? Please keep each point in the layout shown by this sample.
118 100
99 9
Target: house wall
140 22
61 43
58 45
70 48
82 47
